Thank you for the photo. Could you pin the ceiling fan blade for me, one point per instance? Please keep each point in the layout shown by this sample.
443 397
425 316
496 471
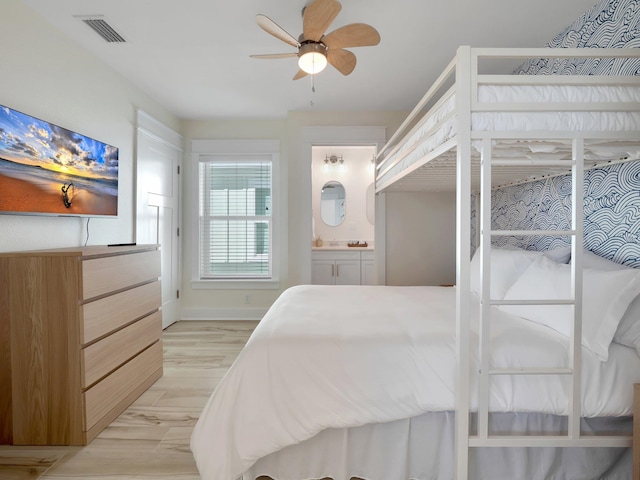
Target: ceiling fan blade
352 35
300 74
276 30
317 17
275 55
343 60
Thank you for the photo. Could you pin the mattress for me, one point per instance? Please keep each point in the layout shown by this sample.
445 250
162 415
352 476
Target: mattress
440 126
338 357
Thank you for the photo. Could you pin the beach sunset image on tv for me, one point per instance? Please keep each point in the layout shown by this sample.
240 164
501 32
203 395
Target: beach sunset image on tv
47 169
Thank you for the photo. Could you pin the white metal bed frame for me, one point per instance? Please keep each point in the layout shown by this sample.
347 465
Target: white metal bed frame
464 68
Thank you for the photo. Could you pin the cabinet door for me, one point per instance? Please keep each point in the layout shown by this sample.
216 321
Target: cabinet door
367 272
323 272
347 272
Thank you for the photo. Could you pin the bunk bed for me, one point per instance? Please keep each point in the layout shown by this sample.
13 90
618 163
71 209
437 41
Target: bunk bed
433 382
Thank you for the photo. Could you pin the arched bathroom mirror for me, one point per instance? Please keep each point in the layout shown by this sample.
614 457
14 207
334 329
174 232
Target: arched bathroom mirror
332 203
371 202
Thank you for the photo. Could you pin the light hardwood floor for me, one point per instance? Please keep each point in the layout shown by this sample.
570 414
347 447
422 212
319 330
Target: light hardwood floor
150 440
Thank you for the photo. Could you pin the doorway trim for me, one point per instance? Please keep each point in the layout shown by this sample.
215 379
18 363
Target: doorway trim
337 136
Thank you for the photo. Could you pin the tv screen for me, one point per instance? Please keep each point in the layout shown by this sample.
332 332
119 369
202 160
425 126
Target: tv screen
49 170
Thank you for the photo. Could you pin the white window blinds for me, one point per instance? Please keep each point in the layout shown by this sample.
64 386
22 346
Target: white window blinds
235 218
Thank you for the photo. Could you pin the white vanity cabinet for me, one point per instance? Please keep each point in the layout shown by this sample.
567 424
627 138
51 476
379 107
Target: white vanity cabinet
341 267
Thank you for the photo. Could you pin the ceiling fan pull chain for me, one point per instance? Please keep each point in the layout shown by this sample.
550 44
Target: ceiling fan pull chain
313 89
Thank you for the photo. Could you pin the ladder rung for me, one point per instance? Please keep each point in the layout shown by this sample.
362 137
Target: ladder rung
550 441
509 233
559 301
530 371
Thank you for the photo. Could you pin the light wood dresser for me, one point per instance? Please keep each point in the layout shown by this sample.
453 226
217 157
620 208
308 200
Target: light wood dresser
636 431
79 340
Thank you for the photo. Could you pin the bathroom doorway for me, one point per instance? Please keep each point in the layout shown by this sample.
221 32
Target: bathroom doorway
342 194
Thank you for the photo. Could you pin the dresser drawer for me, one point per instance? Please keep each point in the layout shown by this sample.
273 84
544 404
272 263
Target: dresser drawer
107 314
104 396
110 352
101 276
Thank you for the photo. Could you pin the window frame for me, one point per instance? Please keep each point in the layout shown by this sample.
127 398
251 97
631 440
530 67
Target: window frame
235 150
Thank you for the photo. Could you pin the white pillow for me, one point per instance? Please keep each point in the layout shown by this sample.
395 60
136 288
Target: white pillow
560 254
606 296
628 332
507 264
592 260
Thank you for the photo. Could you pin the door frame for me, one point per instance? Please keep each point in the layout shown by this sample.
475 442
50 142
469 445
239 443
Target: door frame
336 136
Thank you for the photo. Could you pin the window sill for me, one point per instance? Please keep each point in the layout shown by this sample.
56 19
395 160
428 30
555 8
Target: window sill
235 284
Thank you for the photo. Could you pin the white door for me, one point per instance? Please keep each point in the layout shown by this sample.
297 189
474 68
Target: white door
159 154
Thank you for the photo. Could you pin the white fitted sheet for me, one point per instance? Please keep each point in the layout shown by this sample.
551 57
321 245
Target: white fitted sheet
441 124
335 357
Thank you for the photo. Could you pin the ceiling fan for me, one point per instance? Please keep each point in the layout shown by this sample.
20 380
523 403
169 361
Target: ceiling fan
315 49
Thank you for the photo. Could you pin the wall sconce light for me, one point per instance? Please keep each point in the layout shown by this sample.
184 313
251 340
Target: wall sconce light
332 161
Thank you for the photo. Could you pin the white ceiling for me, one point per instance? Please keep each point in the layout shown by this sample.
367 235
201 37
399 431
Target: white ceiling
192 56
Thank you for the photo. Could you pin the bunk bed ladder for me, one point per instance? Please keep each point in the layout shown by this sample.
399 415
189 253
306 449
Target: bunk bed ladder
467 80
573 370
573 436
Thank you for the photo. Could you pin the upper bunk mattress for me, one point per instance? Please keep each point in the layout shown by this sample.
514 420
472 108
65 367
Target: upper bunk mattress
436 132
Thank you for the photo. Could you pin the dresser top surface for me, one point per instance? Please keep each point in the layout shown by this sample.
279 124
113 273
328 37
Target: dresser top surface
87 251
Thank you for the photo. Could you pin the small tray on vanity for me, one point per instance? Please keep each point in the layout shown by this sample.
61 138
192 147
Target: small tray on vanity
357 244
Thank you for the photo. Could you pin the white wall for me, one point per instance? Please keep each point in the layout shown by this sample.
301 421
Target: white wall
217 303
296 201
421 238
355 175
47 76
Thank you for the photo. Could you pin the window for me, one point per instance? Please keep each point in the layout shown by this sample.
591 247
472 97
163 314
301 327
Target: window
235 217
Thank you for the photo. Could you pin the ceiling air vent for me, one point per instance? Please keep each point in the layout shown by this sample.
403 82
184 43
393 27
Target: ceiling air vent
102 28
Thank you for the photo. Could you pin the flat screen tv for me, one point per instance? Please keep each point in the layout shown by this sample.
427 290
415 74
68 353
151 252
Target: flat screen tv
49 170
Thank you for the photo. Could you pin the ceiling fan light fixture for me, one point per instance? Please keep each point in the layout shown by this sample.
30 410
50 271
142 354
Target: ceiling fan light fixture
312 57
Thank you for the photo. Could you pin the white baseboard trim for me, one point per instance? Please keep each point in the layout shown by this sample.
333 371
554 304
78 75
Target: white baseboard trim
244 313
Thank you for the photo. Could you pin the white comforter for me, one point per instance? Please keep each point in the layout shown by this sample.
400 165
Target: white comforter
332 357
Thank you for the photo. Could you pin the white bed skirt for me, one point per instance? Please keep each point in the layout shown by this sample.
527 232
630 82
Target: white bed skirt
421 448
